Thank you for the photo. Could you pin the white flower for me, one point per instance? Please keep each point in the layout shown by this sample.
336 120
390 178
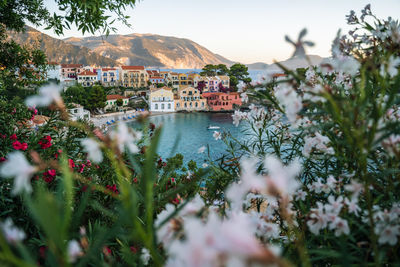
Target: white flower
217 135
352 205
205 165
335 205
392 65
18 167
319 143
319 220
126 138
286 96
388 235
354 187
145 256
244 97
249 180
166 231
74 251
194 206
300 195
47 95
346 64
282 178
271 230
12 233
340 225
93 149
201 149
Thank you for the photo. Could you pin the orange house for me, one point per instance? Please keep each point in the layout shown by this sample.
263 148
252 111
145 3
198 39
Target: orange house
218 101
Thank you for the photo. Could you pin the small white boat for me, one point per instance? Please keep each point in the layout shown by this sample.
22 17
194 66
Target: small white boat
210 127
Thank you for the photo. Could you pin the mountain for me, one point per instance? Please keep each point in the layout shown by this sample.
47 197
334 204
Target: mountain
58 50
151 50
294 63
257 66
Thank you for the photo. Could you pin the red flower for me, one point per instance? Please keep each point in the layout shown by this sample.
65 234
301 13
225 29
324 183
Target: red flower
49 175
19 146
2 159
42 251
88 163
71 163
45 142
13 137
3 136
133 249
113 188
82 168
106 251
135 180
57 153
176 201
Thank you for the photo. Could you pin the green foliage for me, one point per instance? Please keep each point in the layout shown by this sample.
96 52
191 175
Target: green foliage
76 94
96 98
237 73
119 102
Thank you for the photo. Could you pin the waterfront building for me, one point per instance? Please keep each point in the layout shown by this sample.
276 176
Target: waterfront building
87 78
162 100
211 83
219 101
70 71
134 76
53 71
175 80
156 80
112 101
183 80
153 73
78 112
108 76
189 99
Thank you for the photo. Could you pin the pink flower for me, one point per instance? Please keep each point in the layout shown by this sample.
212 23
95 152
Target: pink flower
20 146
49 175
71 163
13 137
45 142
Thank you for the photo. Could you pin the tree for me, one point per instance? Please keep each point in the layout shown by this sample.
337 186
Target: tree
212 70
119 102
159 85
76 94
88 16
200 86
97 98
238 72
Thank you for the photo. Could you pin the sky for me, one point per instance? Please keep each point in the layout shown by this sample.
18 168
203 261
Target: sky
246 31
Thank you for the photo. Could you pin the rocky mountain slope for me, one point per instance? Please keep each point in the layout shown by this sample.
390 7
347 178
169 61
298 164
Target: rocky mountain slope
59 51
151 50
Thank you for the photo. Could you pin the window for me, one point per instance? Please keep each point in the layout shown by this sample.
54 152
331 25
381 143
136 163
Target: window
196 105
105 79
75 111
185 105
156 106
169 105
105 74
162 106
202 104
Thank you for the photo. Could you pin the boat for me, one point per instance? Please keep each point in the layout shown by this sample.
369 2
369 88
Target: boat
210 127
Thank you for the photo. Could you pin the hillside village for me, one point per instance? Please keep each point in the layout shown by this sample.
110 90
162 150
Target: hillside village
163 91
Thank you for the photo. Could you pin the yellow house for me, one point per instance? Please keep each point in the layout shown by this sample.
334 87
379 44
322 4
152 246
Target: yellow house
183 80
134 76
175 80
189 99
162 100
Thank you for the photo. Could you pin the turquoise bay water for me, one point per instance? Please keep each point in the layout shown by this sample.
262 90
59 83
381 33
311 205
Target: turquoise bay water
190 131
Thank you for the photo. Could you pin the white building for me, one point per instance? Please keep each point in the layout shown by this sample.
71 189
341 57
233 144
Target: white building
78 112
87 78
112 101
162 100
53 71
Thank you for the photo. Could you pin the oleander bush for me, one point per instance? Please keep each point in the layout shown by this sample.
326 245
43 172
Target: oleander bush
314 183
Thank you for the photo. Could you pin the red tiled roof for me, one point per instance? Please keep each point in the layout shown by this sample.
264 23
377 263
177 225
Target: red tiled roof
71 65
87 73
107 69
157 77
112 97
132 67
